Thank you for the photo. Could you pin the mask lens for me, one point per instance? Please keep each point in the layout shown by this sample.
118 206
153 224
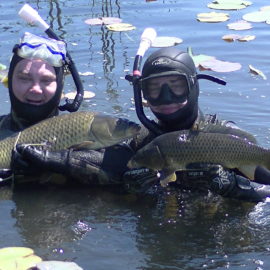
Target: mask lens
178 85
36 47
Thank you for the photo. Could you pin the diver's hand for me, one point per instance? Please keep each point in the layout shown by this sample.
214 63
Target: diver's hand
140 180
27 159
212 176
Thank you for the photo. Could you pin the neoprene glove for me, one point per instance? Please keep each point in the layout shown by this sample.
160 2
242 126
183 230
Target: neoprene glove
140 180
27 160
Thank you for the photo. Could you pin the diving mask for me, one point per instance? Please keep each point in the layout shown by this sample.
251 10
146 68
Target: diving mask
166 89
36 47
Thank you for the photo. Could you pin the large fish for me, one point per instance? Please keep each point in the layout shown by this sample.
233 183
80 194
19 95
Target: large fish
173 151
78 130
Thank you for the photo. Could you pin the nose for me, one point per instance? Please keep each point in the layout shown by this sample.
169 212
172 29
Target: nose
36 88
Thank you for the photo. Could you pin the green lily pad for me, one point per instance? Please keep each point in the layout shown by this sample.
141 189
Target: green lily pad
227 6
212 17
119 27
239 2
240 25
160 42
197 59
103 20
257 16
219 66
3 67
57 265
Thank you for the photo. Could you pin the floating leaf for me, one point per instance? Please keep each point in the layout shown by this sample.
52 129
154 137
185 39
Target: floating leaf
226 6
255 71
239 25
103 20
233 37
246 38
57 265
257 16
230 37
3 67
17 258
199 58
219 66
160 42
265 8
212 17
88 73
4 77
72 95
243 2
118 27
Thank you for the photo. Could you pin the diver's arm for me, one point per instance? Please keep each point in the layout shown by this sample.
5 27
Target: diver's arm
229 184
103 167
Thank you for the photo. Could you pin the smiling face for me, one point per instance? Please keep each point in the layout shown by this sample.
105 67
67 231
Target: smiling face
34 81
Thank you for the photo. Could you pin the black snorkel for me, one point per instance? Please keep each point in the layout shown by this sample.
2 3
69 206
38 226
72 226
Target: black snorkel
147 38
31 16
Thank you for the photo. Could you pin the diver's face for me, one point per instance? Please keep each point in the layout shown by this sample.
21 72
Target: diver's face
34 81
166 91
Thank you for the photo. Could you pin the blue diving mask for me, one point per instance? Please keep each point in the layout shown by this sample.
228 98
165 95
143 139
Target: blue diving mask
36 47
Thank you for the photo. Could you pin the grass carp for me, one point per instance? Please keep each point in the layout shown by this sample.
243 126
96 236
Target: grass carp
80 130
173 151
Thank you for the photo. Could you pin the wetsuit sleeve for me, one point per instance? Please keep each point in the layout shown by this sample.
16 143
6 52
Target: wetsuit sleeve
103 167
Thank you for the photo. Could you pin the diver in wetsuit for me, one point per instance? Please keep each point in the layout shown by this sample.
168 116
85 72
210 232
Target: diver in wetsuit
170 85
35 84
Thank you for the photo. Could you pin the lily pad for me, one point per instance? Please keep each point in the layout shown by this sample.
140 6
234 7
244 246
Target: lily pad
119 27
17 258
200 58
72 95
57 265
257 16
213 17
234 37
3 67
160 42
4 77
219 66
226 6
265 8
243 2
246 38
240 25
256 71
87 73
103 20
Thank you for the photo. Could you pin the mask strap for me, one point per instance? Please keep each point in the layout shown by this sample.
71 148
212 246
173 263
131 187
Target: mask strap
211 78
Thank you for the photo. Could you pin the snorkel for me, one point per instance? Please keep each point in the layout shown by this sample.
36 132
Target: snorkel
147 39
31 16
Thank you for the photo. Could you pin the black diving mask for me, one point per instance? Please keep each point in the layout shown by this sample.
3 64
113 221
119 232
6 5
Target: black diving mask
159 91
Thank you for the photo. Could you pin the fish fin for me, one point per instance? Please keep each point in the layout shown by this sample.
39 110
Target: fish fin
83 145
248 171
167 177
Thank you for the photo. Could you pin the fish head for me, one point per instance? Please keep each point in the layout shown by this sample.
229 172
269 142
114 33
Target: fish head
149 156
108 130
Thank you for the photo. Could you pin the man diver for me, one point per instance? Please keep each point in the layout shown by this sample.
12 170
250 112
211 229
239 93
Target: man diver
170 86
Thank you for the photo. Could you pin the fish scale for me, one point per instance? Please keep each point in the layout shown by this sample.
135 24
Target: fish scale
67 130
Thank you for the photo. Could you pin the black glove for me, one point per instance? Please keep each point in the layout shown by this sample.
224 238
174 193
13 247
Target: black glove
29 160
140 180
